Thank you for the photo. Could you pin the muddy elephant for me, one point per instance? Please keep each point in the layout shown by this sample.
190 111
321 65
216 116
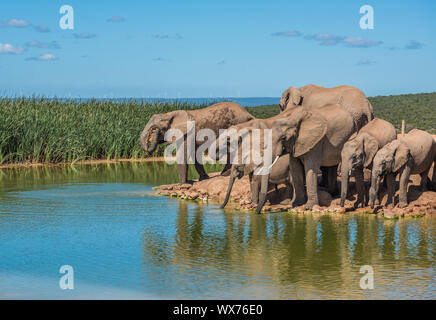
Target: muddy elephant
259 184
218 116
312 139
412 154
358 153
312 96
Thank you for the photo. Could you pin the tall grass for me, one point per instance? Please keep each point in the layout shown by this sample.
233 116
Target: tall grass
47 130
51 130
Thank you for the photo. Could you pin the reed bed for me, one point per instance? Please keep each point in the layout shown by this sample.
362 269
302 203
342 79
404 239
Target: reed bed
54 130
34 130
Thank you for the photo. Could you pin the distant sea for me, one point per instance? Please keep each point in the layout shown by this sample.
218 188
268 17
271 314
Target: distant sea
245 102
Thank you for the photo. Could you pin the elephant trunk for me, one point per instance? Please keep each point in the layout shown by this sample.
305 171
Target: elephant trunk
373 191
262 200
345 176
229 190
149 139
263 191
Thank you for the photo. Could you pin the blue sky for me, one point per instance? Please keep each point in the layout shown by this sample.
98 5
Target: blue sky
214 48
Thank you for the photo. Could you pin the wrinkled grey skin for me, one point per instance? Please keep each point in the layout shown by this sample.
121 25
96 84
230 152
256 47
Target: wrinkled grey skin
258 183
359 152
218 116
312 138
312 96
412 154
280 174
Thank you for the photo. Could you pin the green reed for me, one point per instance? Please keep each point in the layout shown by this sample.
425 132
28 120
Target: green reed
53 130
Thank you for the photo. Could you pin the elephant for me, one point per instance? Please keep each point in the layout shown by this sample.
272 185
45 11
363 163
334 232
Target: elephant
358 153
280 174
279 171
412 154
217 116
312 96
313 138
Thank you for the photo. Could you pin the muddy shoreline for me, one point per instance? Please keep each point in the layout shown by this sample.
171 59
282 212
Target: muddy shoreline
213 190
80 162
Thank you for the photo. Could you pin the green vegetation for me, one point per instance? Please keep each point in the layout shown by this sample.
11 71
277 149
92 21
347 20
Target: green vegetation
41 130
418 110
46 130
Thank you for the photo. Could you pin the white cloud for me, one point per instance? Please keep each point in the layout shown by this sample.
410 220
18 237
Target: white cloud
83 35
289 34
37 44
44 57
15 23
361 43
42 28
115 19
8 48
365 62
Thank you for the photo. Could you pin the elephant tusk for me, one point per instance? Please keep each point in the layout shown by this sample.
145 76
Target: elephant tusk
274 162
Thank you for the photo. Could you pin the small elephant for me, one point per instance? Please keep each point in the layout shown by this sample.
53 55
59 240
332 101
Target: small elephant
217 116
280 174
358 153
259 182
412 154
312 96
312 138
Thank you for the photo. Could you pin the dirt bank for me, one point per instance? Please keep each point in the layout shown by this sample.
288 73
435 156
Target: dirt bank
40 164
214 190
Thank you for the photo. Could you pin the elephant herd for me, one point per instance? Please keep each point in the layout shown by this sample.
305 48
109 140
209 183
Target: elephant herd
317 130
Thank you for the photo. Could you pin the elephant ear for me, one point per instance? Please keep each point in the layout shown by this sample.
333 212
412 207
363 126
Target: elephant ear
401 156
296 97
312 129
370 148
179 120
284 99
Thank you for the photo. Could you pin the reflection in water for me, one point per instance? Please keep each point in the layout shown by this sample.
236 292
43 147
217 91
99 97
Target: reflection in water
295 255
103 221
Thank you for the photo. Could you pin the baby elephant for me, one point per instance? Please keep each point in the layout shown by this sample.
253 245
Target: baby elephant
279 174
412 154
358 153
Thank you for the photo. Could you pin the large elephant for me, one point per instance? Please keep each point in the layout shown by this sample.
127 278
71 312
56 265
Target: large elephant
313 139
412 154
218 116
312 96
358 153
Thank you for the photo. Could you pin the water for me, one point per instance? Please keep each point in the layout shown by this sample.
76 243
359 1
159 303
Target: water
125 242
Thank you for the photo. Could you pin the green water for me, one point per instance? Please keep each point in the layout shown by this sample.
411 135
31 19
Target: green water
125 242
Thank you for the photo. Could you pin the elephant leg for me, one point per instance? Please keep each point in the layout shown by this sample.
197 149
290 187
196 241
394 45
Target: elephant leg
404 181
332 180
425 180
311 166
433 179
362 199
290 191
297 175
255 188
183 173
200 169
390 181
325 177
